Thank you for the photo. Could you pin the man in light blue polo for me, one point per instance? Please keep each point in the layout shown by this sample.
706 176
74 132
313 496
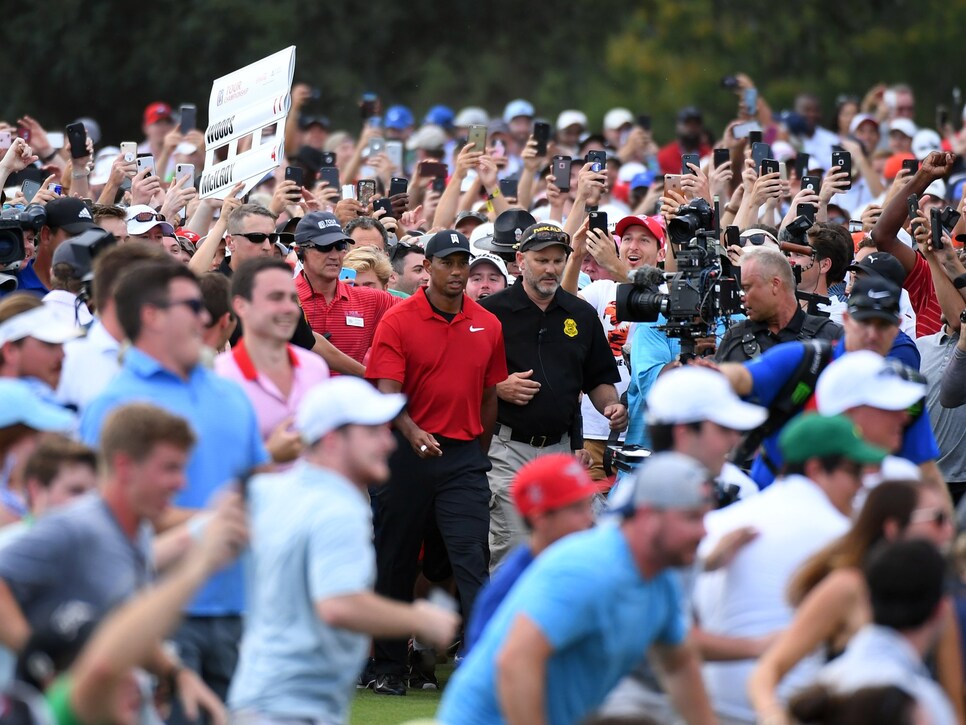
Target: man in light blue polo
313 566
160 309
586 611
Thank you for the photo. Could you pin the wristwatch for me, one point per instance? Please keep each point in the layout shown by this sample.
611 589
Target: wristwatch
960 281
962 317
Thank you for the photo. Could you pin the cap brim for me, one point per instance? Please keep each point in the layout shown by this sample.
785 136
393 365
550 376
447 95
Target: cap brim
78 227
537 246
864 452
44 416
863 314
447 251
894 393
488 244
738 415
324 241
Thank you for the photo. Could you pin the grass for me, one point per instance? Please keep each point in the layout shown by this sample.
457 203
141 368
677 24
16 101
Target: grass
372 709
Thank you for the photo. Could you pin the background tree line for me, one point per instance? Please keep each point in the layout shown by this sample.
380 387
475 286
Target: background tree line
110 58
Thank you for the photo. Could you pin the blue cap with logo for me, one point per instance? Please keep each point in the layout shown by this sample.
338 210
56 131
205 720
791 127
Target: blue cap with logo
320 229
398 118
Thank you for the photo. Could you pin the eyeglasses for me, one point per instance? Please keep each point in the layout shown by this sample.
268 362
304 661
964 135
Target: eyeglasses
258 237
148 216
195 304
339 246
756 239
400 249
937 516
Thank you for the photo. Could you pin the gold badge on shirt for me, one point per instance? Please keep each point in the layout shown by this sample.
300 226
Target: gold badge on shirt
570 327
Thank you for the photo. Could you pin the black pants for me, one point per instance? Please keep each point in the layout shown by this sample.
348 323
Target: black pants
454 487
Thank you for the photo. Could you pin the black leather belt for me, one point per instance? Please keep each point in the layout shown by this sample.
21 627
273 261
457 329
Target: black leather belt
537 441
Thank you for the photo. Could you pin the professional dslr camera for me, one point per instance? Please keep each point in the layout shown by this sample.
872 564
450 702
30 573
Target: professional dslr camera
704 289
13 223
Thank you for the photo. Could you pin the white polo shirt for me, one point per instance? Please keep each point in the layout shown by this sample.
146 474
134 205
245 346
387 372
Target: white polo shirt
794 519
90 363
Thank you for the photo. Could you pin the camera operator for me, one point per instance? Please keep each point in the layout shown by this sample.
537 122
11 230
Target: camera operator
826 265
774 315
66 218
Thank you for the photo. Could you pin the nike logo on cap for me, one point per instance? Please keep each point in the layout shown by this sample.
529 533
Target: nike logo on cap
878 295
476 329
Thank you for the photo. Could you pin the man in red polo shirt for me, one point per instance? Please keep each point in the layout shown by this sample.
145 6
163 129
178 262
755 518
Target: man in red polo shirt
349 315
446 353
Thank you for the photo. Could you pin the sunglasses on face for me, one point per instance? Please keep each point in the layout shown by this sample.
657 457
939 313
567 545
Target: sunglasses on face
339 246
755 239
148 216
195 304
258 237
937 516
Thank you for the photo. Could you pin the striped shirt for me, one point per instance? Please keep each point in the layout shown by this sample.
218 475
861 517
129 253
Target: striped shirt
352 317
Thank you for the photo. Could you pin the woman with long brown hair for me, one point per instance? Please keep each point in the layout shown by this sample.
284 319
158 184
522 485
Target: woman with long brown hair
830 594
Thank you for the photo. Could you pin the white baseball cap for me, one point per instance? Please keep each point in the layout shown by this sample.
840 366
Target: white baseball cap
343 401
617 117
41 323
570 118
481 257
864 378
936 188
691 394
925 142
903 126
152 219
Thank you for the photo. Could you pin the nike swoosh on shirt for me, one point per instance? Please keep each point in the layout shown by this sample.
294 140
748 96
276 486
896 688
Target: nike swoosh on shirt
878 295
476 329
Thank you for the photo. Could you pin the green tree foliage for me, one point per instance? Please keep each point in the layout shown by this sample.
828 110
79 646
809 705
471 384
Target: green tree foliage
108 59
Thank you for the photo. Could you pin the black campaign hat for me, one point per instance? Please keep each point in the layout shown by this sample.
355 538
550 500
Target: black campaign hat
507 231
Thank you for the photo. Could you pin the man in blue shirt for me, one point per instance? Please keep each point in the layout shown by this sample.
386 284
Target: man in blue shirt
871 323
587 609
554 496
66 218
160 308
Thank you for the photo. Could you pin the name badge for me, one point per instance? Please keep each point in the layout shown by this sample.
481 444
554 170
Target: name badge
353 321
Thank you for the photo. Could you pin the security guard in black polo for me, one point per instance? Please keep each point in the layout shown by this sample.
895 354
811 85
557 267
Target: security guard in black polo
555 349
774 315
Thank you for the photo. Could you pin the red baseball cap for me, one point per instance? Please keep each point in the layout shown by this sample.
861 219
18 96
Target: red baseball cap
650 223
551 482
893 165
157 111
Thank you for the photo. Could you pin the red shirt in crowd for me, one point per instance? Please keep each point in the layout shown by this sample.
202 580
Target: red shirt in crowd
669 157
443 366
922 296
352 317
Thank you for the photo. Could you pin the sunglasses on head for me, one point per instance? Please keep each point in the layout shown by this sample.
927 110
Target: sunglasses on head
549 236
148 216
258 237
400 249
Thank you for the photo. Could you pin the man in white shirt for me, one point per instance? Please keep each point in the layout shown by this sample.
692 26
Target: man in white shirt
91 362
819 141
801 512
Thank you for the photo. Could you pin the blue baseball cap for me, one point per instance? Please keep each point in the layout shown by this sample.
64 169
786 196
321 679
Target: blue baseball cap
518 107
440 116
398 118
20 404
642 180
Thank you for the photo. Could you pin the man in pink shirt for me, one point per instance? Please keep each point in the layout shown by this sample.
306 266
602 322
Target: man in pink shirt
274 374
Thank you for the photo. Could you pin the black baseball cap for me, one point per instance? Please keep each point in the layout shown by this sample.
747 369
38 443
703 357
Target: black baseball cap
447 242
882 264
541 235
320 229
689 113
69 214
874 297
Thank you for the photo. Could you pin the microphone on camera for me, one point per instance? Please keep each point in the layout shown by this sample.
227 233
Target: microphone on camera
647 276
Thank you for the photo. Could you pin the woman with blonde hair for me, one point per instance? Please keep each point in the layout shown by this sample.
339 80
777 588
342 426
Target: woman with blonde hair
832 601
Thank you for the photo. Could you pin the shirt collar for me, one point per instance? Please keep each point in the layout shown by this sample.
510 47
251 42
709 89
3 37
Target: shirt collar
145 366
247 367
521 300
426 309
341 288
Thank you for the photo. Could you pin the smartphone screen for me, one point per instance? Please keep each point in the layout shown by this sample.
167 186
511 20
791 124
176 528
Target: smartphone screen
477 136
295 173
541 132
330 175
508 187
189 117
561 172
77 138
398 186
689 159
721 156
750 101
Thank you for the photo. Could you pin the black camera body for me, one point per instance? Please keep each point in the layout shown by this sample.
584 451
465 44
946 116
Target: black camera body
12 250
704 289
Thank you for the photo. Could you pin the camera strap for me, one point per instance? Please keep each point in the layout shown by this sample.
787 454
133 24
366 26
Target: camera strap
791 398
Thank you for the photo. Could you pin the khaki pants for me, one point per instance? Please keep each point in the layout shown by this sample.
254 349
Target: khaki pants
507 529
